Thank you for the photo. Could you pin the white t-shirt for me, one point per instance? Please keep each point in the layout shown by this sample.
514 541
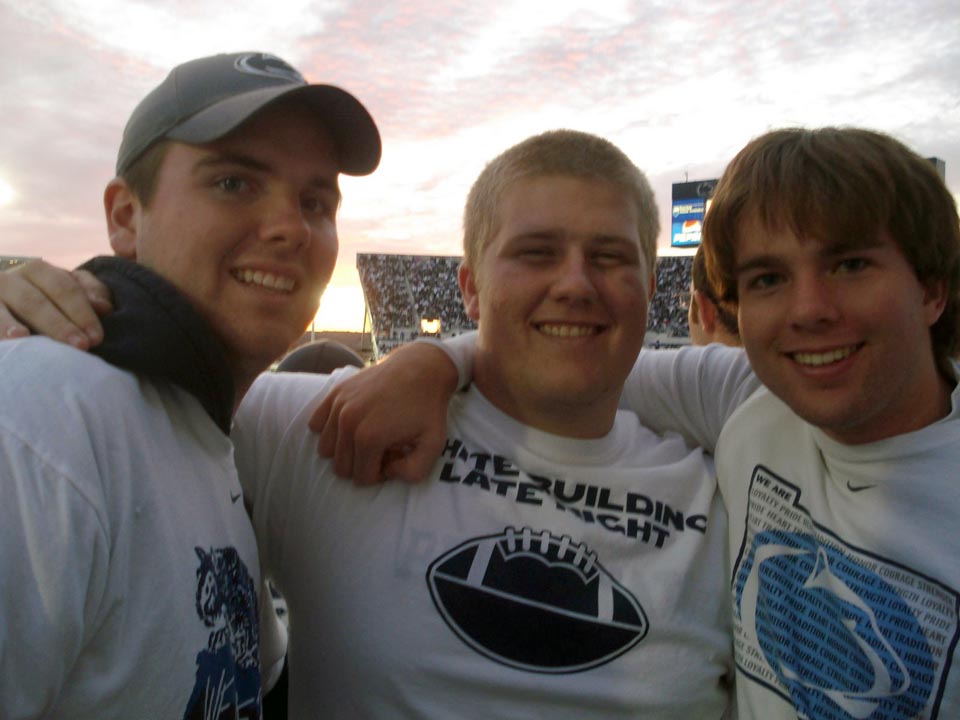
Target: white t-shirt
530 576
846 559
128 564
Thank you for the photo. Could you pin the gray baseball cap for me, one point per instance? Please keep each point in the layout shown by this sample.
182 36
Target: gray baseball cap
202 100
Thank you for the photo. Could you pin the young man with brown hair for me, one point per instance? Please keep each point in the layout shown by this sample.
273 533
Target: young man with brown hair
129 563
841 249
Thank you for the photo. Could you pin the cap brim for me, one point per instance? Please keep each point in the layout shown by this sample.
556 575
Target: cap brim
354 132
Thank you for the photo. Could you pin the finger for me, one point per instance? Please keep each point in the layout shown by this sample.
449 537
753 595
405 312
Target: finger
343 445
50 301
9 327
322 423
98 294
29 307
416 464
368 458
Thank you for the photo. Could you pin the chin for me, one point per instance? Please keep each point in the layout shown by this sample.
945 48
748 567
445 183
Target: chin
575 392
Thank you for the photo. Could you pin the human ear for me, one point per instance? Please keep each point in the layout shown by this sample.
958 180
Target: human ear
468 289
693 313
122 209
934 300
708 312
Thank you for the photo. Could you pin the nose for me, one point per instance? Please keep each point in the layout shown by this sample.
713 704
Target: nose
574 280
813 302
284 221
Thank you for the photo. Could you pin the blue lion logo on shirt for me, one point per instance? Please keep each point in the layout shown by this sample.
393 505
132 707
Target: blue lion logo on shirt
228 669
835 633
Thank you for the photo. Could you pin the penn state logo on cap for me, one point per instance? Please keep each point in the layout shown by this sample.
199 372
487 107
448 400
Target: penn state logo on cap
204 99
268 66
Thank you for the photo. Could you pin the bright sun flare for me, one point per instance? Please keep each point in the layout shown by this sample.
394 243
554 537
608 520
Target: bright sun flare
7 193
341 308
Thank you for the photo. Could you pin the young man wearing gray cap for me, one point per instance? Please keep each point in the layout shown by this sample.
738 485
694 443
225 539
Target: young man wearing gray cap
129 563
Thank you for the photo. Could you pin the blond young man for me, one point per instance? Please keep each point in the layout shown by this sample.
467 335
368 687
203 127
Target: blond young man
129 563
525 579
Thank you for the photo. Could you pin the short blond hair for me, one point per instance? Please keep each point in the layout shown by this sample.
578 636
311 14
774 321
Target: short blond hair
566 153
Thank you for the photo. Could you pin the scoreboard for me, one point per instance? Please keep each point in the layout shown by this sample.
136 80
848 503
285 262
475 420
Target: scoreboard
690 203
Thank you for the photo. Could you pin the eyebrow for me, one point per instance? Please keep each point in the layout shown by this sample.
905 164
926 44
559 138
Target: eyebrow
841 247
551 233
217 159
827 250
761 261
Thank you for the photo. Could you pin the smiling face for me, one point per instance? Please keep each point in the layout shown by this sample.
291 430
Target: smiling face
560 293
841 333
244 227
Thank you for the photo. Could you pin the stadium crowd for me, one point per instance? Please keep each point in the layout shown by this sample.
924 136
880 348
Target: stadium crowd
668 310
402 290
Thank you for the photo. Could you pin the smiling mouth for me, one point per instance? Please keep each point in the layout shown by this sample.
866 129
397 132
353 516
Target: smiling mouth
564 330
819 359
277 283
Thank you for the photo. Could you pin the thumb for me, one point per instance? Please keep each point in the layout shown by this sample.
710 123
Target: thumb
414 465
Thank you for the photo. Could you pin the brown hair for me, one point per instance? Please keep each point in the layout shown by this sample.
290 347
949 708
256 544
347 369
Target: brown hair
835 184
141 176
567 153
701 281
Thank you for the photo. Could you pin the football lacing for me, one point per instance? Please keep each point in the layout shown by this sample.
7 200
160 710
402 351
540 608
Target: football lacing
545 543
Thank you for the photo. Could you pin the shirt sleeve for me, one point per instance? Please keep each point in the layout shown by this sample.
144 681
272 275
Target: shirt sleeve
691 391
54 563
269 424
461 351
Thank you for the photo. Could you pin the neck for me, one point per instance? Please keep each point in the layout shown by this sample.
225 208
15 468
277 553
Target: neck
556 414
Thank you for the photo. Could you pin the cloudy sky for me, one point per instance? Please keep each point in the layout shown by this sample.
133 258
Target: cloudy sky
680 86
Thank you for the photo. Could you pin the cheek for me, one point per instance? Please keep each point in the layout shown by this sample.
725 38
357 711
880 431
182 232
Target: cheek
756 324
323 254
630 294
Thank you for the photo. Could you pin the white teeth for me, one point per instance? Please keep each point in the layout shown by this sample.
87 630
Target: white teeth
265 279
818 359
565 331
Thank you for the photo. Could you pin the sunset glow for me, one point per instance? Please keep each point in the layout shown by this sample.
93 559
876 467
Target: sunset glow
680 87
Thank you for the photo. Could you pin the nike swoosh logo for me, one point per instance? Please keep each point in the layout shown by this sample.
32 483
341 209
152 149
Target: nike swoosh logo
861 488
234 498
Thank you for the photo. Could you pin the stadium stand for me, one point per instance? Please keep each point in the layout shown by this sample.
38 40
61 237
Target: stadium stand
11 261
410 295
667 318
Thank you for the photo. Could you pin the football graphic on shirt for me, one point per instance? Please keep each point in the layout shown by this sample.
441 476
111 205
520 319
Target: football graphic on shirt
535 601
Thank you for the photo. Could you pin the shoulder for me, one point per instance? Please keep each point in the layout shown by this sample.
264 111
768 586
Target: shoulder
760 415
59 409
52 383
45 366
702 363
285 395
